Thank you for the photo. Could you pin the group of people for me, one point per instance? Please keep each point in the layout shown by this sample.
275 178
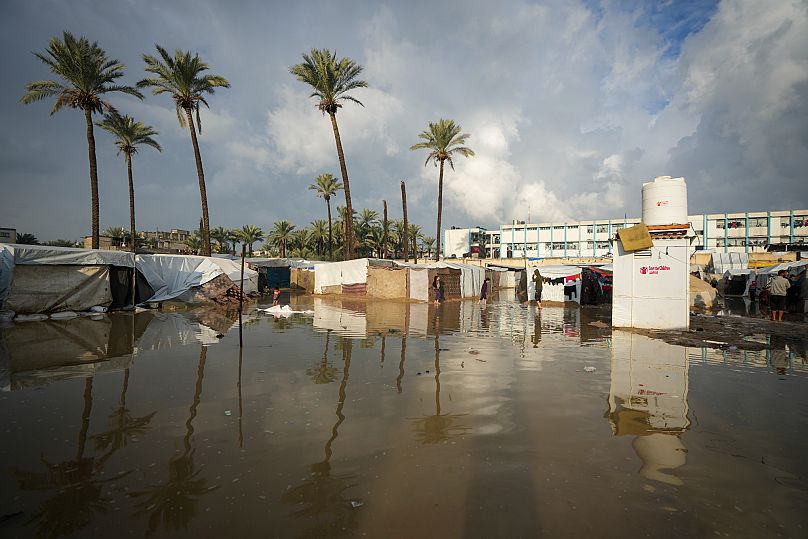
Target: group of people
786 291
438 290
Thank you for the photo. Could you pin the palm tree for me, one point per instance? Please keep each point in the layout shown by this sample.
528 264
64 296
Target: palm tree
87 74
182 78
414 234
222 237
27 239
331 80
444 142
428 242
129 134
327 186
61 243
301 239
319 233
250 234
281 234
194 242
375 239
368 218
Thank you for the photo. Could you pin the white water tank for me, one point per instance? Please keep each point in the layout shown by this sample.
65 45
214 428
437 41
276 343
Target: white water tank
664 201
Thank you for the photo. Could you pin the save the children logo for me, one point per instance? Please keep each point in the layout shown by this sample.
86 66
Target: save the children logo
653 270
662 203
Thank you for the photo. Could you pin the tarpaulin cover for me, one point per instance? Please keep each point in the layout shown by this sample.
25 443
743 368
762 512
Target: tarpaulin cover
635 238
471 276
340 273
171 275
42 289
232 268
419 284
12 255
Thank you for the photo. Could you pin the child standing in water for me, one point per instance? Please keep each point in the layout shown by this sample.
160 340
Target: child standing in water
276 296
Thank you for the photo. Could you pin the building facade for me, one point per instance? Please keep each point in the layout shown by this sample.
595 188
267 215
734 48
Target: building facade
745 232
8 235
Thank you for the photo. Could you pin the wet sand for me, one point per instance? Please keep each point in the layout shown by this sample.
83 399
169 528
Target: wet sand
389 419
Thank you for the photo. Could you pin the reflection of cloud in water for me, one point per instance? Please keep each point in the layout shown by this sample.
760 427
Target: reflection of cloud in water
648 400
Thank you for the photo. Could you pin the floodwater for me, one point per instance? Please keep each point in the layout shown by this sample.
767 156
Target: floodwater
386 419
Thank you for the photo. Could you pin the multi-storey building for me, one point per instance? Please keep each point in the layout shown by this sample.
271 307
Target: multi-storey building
8 235
744 232
166 242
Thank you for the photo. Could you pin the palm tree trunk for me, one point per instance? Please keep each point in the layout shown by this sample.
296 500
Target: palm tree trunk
200 376
440 212
384 235
132 237
88 116
404 209
131 201
330 240
202 191
349 232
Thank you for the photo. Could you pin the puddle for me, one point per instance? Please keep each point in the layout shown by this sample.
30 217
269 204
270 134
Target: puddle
368 416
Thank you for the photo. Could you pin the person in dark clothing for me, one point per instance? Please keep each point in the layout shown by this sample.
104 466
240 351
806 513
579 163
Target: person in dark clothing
484 289
437 288
538 282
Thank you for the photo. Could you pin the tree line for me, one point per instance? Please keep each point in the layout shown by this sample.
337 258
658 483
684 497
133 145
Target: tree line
86 75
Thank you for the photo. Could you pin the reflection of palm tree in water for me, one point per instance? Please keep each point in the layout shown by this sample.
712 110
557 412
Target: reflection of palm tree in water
79 493
123 427
323 373
323 493
433 429
174 502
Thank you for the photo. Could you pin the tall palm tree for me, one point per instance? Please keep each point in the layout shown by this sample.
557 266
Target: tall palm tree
182 78
331 80
281 235
444 142
301 239
194 242
222 237
368 218
319 232
250 234
129 134
87 74
326 186
115 232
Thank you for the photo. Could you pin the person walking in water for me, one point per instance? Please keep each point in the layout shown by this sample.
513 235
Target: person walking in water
437 288
778 288
538 282
484 290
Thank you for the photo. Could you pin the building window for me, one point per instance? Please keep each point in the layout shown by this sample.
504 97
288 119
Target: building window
758 222
589 229
544 228
573 227
603 245
602 229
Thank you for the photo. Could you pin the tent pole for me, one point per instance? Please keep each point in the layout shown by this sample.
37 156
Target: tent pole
241 294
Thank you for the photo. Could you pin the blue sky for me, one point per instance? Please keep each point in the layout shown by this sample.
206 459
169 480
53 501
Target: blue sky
571 106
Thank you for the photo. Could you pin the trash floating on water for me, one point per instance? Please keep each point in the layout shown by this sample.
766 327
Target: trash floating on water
589 368
228 413
284 310
356 503
473 352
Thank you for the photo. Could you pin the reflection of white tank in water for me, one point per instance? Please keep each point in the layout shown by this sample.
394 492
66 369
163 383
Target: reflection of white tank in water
664 201
648 400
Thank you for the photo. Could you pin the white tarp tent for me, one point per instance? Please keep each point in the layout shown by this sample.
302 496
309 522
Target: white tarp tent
419 284
738 274
56 278
724 261
471 278
565 277
340 273
171 275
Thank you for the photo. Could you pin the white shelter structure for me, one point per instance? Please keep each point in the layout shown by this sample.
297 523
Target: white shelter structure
651 284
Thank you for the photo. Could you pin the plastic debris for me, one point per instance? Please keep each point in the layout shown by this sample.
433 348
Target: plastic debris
473 352
228 413
356 503
589 368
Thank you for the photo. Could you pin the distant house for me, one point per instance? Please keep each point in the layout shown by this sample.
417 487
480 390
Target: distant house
8 235
105 243
166 242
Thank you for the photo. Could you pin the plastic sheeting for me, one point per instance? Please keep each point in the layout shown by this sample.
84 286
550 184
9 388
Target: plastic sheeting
39 289
12 255
171 275
471 278
419 284
232 268
340 273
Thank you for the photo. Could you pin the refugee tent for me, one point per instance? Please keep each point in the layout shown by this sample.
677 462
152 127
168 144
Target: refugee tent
38 278
348 277
596 285
737 281
276 272
172 275
508 278
724 261
459 280
561 283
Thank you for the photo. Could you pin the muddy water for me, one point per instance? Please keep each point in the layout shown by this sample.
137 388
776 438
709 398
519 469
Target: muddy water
385 419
